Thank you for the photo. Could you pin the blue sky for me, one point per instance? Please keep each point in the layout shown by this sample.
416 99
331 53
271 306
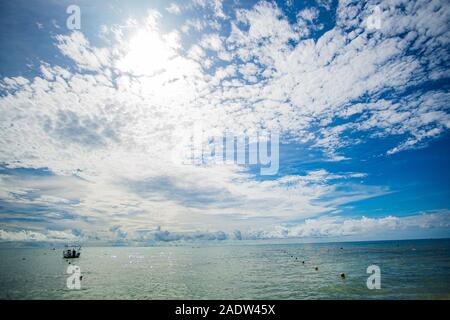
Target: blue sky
92 119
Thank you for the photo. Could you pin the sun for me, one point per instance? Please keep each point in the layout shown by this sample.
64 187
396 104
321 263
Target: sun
147 53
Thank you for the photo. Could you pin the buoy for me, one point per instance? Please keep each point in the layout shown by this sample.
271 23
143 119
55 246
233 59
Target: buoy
316 268
303 262
342 275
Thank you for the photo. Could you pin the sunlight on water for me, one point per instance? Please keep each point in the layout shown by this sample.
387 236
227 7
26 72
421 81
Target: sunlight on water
409 270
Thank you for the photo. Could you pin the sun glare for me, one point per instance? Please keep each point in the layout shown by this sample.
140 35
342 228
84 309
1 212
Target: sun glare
147 53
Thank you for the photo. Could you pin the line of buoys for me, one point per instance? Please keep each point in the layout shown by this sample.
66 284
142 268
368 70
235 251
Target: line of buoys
341 275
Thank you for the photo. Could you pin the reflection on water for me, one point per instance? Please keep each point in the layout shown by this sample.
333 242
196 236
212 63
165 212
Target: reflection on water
409 270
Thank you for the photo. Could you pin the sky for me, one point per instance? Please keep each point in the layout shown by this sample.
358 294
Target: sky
94 119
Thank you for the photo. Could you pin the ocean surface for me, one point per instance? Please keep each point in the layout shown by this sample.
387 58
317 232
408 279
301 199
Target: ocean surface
418 269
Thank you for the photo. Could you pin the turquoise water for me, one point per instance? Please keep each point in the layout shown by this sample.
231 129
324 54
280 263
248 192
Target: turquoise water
416 269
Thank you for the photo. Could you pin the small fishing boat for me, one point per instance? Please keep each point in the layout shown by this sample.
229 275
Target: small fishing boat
72 252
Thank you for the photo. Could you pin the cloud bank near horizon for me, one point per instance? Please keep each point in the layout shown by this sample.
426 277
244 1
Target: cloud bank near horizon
317 229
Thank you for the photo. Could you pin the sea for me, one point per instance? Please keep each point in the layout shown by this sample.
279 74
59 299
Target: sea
410 269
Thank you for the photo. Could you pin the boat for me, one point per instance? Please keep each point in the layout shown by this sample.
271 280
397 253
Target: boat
72 252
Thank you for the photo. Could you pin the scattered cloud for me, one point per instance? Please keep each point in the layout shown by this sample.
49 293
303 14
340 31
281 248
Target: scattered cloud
31 236
318 228
338 226
173 8
110 117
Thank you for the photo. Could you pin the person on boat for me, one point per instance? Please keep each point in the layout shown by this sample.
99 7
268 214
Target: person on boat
74 254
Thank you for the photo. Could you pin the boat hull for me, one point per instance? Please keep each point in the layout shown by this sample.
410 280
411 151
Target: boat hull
71 255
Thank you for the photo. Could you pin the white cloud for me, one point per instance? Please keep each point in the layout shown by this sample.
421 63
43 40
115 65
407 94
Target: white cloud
174 8
195 24
338 227
31 236
77 47
215 5
308 14
335 227
114 118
